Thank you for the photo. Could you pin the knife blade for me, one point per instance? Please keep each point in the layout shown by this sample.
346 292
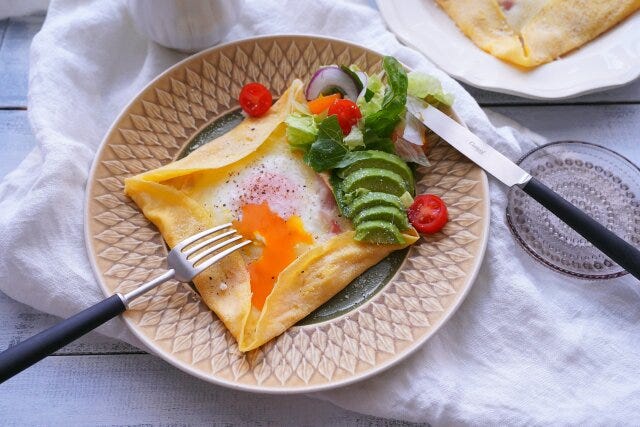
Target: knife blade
509 173
463 140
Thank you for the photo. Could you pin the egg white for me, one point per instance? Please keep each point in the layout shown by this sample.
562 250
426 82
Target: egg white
278 176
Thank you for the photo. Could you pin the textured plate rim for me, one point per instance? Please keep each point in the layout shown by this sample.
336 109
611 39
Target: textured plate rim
284 390
605 82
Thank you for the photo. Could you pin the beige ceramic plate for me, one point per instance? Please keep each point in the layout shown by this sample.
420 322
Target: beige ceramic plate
126 249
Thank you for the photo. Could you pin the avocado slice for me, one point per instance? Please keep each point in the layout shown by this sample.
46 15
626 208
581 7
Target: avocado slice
371 179
338 194
372 159
372 199
379 232
383 213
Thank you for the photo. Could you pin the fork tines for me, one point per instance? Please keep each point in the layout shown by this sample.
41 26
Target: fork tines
208 247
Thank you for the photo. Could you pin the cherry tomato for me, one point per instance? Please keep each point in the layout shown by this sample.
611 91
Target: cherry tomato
348 113
428 213
255 99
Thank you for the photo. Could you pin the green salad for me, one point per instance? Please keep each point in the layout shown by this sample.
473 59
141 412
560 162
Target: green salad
355 129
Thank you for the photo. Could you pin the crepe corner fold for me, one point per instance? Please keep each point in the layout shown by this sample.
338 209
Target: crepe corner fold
559 27
309 281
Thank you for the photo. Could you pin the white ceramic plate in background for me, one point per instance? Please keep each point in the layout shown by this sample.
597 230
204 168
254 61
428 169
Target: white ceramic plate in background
611 60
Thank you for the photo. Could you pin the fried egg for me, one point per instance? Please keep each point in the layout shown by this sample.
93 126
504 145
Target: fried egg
277 201
277 176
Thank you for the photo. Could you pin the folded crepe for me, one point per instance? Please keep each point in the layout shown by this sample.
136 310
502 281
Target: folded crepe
251 169
533 32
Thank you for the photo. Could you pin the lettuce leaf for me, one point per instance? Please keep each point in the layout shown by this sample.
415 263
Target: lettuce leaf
328 150
372 99
355 138
301 131
383 121
428 88
375 142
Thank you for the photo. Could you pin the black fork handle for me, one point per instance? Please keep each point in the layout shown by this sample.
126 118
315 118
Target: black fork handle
19 357
619 250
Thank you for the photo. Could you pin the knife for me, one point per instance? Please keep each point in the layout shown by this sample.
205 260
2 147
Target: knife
507 172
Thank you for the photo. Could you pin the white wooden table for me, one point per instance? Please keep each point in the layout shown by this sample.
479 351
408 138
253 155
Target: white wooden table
97 380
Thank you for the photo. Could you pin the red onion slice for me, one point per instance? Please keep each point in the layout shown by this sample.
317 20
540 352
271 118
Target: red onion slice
364 79
331 78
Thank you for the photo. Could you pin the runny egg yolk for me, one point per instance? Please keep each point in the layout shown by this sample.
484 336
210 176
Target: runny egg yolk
279 238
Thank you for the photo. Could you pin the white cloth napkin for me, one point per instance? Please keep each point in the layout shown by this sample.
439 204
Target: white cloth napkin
528 346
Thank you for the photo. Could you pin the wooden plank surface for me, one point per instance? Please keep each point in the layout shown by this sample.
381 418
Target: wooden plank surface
142 389
613 126
16 139
15 38
19 321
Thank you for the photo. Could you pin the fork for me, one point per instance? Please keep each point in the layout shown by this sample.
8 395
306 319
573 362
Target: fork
186 260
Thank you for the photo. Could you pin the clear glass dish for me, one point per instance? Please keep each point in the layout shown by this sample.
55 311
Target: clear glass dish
597 180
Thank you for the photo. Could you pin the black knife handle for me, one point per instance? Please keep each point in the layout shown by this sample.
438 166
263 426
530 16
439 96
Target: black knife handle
19 357
620 251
